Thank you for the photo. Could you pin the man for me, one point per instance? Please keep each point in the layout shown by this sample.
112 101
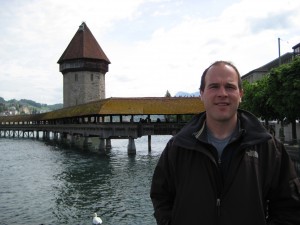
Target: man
223 167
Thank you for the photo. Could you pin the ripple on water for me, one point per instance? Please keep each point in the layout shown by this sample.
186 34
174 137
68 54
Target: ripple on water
40 183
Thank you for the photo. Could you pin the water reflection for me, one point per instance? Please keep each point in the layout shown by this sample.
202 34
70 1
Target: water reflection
81 185
45 184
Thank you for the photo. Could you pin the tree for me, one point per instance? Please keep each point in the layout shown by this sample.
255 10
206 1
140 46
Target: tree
2 100
285 83
255 100
2 107
168 95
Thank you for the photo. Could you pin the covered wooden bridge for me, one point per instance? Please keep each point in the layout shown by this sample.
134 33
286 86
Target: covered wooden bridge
111 118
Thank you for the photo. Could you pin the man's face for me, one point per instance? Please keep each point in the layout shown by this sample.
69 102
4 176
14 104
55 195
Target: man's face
221 95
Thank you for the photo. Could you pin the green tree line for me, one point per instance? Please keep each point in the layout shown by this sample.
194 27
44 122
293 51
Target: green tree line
276 96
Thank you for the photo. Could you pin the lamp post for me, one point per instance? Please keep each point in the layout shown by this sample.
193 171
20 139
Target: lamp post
279 58
281 129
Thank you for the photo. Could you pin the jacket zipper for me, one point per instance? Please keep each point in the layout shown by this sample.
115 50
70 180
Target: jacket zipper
218 207
218 203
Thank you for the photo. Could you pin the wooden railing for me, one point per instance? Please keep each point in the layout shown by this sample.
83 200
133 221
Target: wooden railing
103 130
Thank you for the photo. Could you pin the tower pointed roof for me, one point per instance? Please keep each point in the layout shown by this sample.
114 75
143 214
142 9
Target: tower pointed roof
83 45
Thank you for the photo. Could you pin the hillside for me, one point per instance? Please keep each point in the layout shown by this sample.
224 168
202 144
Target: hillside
24 106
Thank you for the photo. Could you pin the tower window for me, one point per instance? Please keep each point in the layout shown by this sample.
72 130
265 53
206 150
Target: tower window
76 77
92 77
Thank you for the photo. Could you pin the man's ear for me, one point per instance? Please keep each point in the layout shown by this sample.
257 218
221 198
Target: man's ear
241 94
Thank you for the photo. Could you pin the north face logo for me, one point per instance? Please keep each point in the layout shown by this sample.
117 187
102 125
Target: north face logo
252 153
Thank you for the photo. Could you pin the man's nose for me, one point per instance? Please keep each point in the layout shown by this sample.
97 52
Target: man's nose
222 91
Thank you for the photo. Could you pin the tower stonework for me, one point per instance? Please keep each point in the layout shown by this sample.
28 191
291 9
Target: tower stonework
83 65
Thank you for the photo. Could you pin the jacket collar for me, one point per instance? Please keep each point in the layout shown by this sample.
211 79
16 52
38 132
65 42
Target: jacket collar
201 135
250 130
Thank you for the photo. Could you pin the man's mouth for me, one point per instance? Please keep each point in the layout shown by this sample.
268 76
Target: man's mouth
222 104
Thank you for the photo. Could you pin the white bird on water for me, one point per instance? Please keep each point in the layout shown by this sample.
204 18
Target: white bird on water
96 220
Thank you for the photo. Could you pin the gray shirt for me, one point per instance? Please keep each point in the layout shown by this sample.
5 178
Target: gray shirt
219 144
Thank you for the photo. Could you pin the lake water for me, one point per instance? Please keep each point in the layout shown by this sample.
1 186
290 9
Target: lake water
45 184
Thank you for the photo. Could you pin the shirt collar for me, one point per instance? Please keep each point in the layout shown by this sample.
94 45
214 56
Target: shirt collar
202 133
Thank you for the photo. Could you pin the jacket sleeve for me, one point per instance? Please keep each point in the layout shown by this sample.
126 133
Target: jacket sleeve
162 189
284 197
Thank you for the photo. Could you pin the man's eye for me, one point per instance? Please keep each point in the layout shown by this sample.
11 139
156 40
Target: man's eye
231 87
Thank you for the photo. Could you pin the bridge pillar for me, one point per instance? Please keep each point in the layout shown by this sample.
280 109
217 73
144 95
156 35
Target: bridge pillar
108 144
86 143
102 145
46 135
72 140
149 143
55 136
131 146
63 138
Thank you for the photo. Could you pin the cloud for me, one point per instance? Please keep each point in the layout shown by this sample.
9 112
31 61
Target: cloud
272 22
174 57
154 45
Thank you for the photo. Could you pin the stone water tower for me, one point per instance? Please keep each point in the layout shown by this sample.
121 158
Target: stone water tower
83 65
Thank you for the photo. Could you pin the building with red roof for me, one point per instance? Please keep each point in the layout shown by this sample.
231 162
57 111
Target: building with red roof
83 65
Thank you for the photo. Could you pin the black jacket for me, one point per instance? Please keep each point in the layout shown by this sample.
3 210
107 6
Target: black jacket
254 182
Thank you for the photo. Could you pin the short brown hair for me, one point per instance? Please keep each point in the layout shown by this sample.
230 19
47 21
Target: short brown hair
202 85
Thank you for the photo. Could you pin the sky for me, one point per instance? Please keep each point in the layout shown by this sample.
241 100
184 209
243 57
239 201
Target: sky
153 45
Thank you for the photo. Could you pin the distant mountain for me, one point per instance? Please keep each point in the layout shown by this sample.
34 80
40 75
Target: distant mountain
186 94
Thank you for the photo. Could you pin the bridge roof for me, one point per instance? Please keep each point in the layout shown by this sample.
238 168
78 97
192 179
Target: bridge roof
121 106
